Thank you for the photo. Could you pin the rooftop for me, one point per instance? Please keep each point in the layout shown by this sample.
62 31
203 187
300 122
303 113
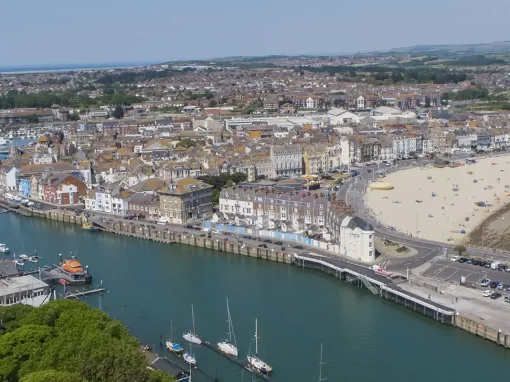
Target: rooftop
18 284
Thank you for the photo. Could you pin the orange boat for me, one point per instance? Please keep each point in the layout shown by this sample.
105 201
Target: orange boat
72 266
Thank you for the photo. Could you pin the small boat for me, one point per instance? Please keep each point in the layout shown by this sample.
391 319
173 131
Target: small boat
89 227
33 259
191 336
254 361
146 347
227 346
19 263
23 257
63 282
189 359
171 345
4 249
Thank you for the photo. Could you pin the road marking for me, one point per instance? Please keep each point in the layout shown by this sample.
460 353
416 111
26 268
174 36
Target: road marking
449 277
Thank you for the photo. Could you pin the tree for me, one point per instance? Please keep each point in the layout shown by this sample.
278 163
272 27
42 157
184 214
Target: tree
238 177
460 249
118 112
229 183
186 143
33 118
73 117
38 346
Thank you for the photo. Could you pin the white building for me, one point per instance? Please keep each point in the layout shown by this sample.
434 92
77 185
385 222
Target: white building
357 239
339 116
405 146
26 290
287 160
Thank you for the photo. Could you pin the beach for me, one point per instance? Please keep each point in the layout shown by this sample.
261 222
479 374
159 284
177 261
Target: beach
443 204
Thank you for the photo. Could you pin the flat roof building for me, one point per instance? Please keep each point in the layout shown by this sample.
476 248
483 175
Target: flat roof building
26 290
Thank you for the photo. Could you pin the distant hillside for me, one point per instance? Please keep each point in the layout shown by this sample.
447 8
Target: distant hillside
493 47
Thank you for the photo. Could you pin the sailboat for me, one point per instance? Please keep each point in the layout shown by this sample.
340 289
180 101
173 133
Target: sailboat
191 336
255 361
189 358
227 346
320 367
171 345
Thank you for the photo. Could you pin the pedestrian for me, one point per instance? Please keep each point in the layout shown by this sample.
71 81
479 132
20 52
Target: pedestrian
456 299
429 296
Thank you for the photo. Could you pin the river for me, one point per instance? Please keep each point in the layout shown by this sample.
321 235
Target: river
365 337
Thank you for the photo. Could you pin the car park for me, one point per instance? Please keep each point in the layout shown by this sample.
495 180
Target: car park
487 293
485 282
495 295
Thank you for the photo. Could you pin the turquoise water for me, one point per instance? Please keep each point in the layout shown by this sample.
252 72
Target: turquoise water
365 338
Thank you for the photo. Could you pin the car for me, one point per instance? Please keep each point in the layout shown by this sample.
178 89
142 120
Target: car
487 293
501 286
494 284
263 245
188 226
481 263
38 206
246 237
30 204
215 231
501 267
475 262
488 265
507 299
278 243
298 246
469 261
495 295
455 258
485 282
507 269
267 241
462 260
202 235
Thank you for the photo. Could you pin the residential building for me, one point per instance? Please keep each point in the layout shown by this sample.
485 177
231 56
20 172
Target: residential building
185 200
357 239
287 160
63 189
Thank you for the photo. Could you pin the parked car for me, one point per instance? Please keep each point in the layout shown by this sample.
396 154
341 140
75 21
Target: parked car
215 231
494 284
501 286
507 299
38 206
188 226
278 243
508 288
462 260
298 246
487 293
246 237
475 262
455 258
495 295
263 245
267 241
488 265
481 263
485 282
469 261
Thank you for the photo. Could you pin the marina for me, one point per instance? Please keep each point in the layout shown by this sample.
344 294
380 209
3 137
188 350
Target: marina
118 258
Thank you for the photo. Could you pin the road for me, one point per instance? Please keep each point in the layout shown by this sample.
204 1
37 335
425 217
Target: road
352 192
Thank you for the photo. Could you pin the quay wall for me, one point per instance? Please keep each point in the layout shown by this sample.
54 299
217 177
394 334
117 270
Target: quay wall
145 232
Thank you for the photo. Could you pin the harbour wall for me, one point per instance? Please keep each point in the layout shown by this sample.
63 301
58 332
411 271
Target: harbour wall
387 291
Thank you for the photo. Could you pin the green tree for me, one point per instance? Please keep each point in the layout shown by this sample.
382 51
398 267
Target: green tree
118 112
32 118
229 183
186 143
52 376
238 177
460 249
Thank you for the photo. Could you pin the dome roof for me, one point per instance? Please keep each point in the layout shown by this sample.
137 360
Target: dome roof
381 186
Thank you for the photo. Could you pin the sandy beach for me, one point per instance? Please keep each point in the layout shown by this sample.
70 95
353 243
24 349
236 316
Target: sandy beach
438 203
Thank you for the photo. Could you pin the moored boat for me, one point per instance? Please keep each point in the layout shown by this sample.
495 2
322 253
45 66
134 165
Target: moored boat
23 257
4 249
172 346
254 361
89 227
191 336
189 359
228 346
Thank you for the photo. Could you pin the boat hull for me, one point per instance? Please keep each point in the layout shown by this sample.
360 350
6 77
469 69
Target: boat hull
194 339
228 348
259 365
173 347
189 359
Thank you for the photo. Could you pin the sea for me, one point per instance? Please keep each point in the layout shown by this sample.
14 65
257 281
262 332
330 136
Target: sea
152 286
18 69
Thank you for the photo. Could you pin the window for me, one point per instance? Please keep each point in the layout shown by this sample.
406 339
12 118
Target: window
370 245
370 236
321 205
370 253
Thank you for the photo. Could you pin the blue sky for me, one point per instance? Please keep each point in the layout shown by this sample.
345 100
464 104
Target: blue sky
36 32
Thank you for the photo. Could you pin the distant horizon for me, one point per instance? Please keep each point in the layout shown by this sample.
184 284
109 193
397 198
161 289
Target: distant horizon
26 68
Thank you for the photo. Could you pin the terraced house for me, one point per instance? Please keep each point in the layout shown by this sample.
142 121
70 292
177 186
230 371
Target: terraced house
185 200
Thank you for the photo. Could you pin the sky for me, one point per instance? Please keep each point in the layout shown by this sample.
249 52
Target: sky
50 32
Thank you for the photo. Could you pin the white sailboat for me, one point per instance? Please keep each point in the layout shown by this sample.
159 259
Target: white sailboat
4 249
191 336
255 361
227 346
189 358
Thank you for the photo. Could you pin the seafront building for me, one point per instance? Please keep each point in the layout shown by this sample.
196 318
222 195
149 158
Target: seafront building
26 290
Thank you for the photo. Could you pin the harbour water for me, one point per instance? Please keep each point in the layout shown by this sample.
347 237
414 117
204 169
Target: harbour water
365 337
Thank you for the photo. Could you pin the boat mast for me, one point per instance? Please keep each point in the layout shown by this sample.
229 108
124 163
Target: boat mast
193 318
231 333
320 367
256 338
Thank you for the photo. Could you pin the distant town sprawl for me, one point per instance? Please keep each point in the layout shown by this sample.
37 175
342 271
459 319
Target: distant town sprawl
264 147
